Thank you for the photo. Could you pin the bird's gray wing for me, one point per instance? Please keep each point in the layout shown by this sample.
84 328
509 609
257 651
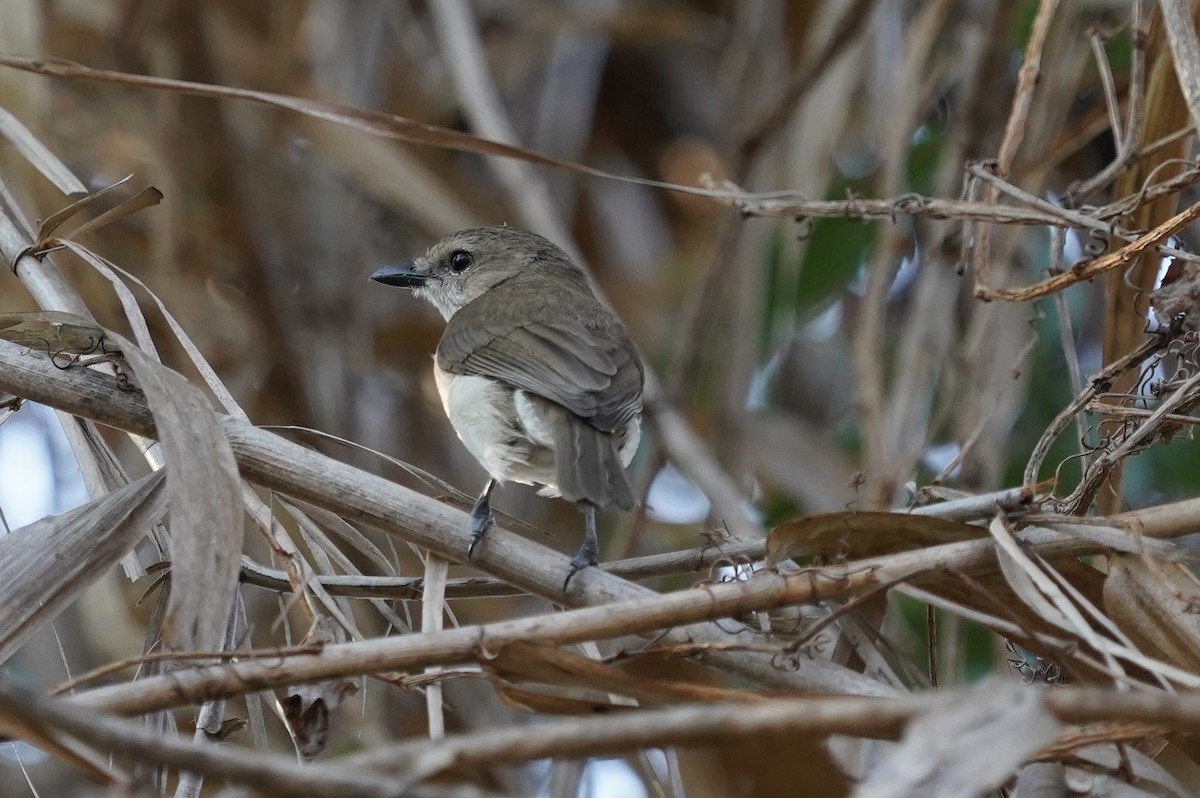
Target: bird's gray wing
592 371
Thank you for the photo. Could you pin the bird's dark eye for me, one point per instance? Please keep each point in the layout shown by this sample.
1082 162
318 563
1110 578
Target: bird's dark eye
460 260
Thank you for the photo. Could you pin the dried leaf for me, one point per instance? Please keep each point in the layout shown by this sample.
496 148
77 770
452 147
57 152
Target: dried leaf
551 665
39 155
48 564
966 747
57 219
1056 601
146 198
1157 605
203 486
129 304
853 535
102 473
138 323
306 707
56 333
546 700
206 505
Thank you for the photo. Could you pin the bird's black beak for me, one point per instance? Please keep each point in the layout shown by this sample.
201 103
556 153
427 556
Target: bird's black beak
400 274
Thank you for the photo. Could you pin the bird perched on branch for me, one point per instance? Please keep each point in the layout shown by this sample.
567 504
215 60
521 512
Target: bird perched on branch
540 380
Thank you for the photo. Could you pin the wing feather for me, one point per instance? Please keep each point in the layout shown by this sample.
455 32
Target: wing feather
581 359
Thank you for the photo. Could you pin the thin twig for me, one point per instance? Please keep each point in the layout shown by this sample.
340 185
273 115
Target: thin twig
1097 385
1115 411
1125 137
1014 129
1066 335
1111 103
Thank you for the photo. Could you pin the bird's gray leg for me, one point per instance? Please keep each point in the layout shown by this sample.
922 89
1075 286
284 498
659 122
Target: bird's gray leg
589 552
481 516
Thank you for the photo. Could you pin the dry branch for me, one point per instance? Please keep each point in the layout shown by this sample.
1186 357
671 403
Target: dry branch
478 643
866 717
278 464
1087 270
276 774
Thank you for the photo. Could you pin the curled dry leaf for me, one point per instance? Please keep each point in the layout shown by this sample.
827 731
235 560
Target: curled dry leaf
306 707
146 198
854 535
51 223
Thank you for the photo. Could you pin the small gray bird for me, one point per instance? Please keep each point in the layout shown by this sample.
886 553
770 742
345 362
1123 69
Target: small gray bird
540 380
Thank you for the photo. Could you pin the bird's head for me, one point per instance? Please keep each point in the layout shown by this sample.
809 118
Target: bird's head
465 265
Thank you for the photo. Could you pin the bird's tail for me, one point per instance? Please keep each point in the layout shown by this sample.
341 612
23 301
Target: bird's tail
589 467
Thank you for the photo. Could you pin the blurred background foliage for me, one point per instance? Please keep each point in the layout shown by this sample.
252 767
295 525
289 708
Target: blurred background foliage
762 330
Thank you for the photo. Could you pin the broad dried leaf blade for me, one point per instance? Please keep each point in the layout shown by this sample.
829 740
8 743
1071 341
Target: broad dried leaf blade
1155 604
206 506
203 488
971 745
854 535
48 564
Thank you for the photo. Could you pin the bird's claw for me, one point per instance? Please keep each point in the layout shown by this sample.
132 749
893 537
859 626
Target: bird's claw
479 525
583 559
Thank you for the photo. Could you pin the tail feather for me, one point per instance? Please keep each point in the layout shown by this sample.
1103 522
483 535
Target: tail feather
589 466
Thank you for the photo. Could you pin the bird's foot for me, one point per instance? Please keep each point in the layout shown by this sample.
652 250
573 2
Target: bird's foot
586 556
481 518
479 525
589 552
